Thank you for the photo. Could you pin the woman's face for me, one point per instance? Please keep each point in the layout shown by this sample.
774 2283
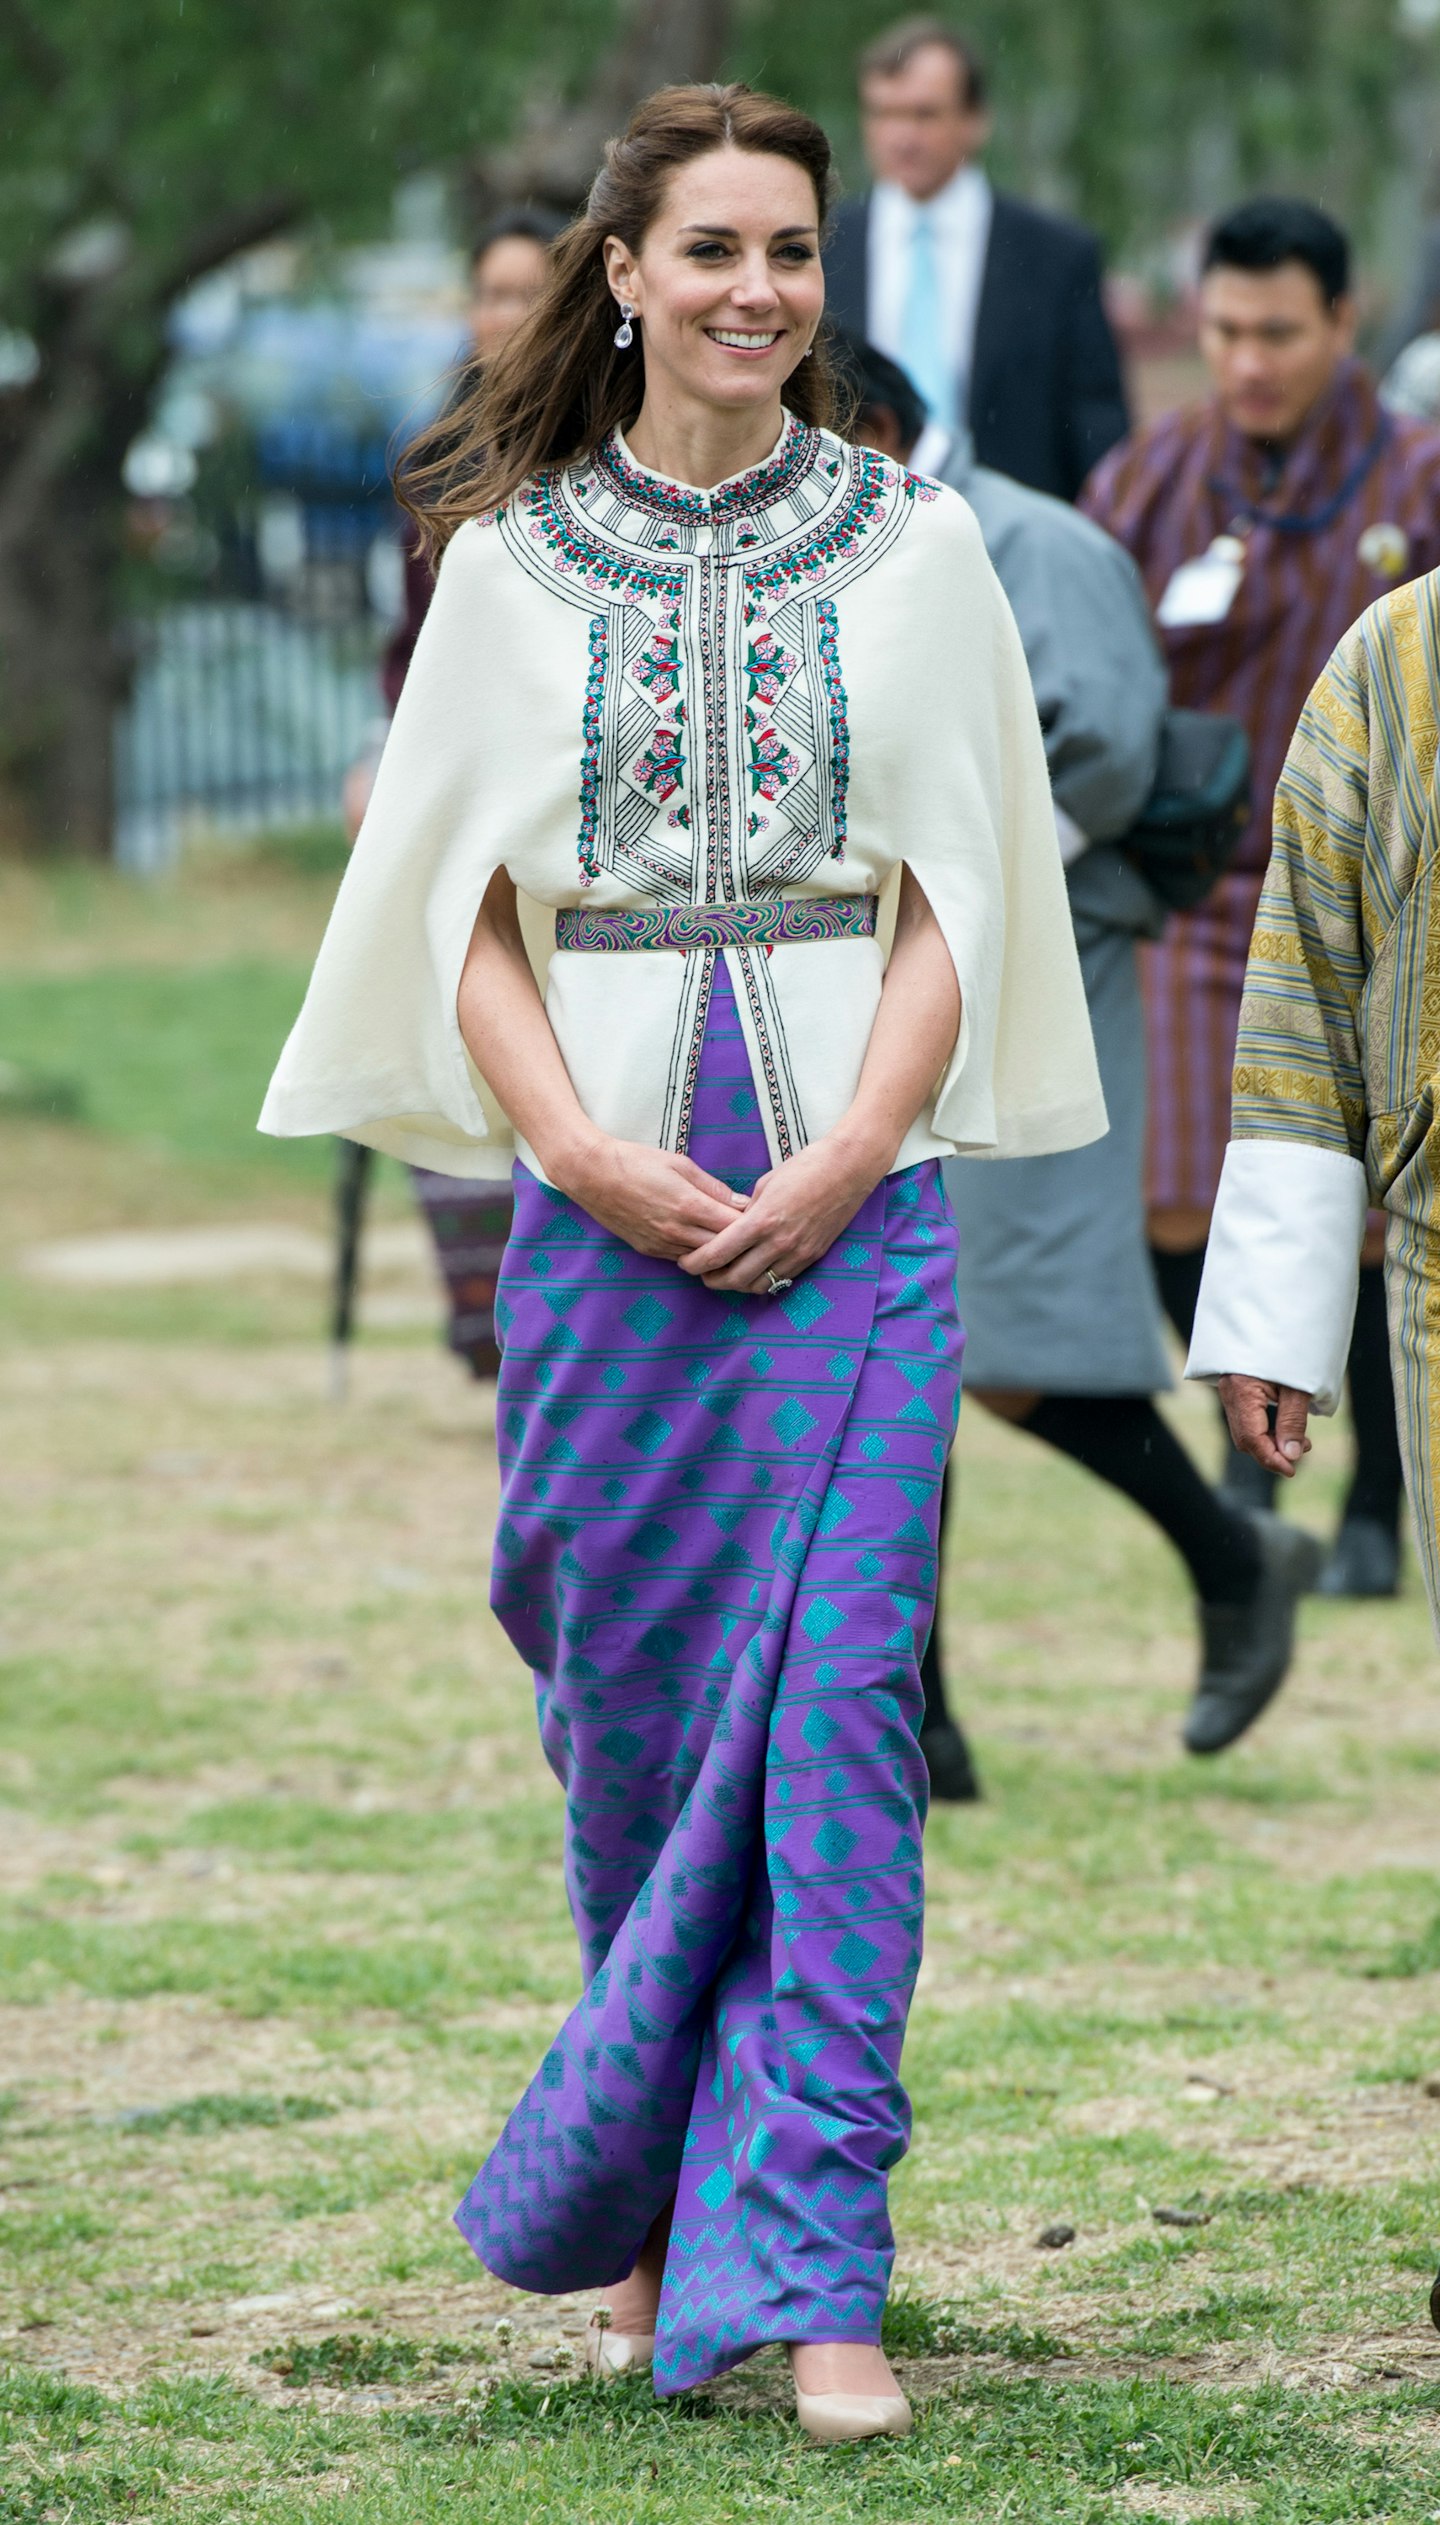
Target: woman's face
727 283
507 279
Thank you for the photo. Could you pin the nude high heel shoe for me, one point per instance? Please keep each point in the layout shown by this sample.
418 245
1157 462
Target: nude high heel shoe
610 2353
834 2418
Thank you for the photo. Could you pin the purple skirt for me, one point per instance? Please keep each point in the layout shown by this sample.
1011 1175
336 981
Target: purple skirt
716 1550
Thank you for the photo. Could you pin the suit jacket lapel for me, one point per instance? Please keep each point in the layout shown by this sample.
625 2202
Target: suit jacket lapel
995 315
847 266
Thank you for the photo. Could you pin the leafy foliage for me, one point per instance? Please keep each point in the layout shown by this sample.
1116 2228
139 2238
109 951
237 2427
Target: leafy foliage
1137 112
137 140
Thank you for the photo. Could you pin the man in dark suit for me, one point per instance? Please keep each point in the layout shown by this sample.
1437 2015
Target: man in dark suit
992 307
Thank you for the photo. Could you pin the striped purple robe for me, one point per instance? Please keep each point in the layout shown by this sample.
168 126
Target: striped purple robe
1312 566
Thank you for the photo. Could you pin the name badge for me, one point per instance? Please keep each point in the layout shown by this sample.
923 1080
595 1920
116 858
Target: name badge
1203 591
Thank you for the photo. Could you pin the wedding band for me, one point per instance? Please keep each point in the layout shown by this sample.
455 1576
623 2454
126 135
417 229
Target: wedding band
777 1285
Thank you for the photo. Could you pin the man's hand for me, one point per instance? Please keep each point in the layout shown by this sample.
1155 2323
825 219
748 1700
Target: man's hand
1249 1401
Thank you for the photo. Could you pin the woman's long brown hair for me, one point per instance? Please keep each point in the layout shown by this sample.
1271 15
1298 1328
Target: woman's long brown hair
559 387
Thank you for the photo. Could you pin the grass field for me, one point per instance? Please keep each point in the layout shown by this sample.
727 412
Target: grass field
282 1928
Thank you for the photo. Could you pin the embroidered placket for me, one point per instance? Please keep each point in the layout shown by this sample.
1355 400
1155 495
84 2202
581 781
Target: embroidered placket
714 724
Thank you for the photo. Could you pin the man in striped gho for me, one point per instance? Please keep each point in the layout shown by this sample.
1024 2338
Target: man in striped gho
1335 1069
1264 520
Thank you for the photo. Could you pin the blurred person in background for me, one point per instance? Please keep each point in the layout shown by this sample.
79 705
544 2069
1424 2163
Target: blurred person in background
1264 520
468 1221
507 274
1411 385
993 308
1064 1332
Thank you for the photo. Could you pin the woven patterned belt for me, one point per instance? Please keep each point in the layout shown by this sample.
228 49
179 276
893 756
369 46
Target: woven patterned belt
781 922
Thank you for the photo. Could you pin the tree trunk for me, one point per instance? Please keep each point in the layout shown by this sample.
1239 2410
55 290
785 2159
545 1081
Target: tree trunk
62 673
64 668
557 151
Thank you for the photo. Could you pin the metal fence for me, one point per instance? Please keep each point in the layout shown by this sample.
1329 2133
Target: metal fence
254 683
243 716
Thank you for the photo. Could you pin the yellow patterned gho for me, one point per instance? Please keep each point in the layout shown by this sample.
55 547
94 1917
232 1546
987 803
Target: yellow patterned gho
1339 1041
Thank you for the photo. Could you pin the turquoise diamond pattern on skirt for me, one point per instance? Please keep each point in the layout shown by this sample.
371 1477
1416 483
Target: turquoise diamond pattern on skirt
792 1422
805 1306
648 1317
733 1716
820 1618
647 1433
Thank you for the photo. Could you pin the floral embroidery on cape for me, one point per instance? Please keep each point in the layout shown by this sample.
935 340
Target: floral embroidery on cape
715 738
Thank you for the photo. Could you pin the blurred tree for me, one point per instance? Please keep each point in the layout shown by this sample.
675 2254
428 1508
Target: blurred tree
143 145
1138 113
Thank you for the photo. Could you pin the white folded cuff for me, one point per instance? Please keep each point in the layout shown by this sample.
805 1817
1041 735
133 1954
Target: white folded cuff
1281 1268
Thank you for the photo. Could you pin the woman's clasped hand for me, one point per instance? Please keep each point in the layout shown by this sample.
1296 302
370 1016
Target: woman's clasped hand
793 1217
651 1199
668 1206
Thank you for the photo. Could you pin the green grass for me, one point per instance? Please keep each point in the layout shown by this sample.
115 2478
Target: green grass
350 2358
284 1929
261 1974
1412 1956
174 1059
1079 2453
202 2113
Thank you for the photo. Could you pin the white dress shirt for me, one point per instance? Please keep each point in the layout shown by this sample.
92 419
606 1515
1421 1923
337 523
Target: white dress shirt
931 451
960 214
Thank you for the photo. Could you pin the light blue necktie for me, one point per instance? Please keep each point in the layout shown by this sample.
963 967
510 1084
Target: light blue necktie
922 351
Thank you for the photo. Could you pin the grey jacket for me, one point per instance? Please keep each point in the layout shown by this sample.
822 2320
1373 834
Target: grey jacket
1096 667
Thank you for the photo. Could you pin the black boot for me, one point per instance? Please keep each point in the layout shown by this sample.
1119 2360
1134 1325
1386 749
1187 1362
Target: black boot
947 1759
1247 1648
947 1756
1365 1560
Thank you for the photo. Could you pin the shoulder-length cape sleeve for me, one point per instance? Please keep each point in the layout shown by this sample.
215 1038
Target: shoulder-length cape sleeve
976 825
376 1052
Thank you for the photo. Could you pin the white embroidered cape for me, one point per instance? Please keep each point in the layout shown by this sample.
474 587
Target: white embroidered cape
636 695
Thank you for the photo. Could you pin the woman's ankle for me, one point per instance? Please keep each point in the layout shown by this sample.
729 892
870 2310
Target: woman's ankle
858 2367
632 2304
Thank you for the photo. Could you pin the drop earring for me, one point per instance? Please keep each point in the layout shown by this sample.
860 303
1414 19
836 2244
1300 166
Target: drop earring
626 334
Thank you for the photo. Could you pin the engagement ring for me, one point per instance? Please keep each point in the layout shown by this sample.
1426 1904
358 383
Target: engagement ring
777 1285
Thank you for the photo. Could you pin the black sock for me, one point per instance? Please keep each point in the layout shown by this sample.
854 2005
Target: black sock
1177 1277
937 1709
1123 1438
1379 1483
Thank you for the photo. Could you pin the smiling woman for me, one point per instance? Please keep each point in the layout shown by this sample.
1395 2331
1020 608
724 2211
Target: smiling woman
566 378
701 677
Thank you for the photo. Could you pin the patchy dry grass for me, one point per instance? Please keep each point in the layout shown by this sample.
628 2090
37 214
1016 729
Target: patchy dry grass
282 1932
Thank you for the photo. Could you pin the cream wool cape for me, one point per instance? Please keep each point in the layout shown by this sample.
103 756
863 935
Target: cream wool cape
633 695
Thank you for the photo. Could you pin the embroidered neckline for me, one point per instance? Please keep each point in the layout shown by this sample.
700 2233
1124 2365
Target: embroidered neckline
774 478
862 506
838 535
